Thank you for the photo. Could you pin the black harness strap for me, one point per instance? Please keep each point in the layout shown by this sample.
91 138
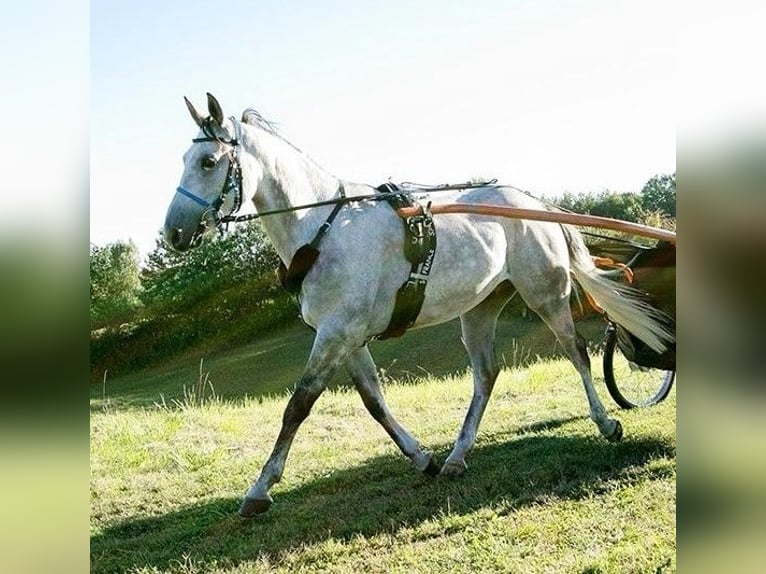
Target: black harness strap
419 249
304 258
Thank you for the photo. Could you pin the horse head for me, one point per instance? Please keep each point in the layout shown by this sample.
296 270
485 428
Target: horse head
211 186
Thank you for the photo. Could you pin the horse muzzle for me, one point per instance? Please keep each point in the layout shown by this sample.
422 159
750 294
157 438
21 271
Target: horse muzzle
174 237
181 236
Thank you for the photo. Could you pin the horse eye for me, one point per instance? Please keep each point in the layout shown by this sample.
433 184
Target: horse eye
208 162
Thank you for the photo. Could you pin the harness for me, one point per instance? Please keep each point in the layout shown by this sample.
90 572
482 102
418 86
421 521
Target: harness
232 184
292 277
419 230
419 249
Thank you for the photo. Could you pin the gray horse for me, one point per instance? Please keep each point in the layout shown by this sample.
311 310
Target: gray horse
348 294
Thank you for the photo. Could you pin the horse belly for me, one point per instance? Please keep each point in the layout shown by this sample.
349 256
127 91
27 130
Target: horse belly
470 262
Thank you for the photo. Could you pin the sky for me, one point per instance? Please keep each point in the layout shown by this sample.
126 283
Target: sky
550 96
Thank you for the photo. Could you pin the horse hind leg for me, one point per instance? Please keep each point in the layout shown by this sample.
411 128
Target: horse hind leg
557 315
364 375
478 327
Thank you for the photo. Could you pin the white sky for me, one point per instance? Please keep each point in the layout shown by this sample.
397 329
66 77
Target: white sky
551 96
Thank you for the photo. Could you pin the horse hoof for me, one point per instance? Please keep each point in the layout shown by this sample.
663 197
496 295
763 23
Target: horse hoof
616 435
252 506
453 468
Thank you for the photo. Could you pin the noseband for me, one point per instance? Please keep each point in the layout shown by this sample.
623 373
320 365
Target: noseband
231 185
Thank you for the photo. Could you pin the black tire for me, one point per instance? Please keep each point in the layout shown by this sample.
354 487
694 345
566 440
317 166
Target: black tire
638 386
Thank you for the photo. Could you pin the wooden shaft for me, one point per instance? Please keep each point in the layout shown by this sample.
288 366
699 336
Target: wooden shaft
543 215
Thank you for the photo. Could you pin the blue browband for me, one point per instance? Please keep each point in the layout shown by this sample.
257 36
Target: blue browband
195 198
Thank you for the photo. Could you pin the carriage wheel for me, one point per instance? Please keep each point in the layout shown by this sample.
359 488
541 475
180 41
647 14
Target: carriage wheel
638 386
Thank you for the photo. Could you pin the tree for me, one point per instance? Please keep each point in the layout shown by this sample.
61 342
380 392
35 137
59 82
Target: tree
181 279
219 294
115 283
659 194
625 206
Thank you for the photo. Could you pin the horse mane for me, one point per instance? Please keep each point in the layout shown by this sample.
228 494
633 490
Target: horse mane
254 118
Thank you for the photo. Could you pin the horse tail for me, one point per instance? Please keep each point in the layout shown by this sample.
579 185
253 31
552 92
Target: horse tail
626 306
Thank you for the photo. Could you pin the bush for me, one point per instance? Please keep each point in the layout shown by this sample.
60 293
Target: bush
115 285
222 293
232 317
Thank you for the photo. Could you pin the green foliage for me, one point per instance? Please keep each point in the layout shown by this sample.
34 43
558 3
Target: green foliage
114 283
180 280
223 292
625 206
659 195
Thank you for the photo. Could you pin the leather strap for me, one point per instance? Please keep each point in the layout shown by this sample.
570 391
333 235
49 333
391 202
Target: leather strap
304 258
419 249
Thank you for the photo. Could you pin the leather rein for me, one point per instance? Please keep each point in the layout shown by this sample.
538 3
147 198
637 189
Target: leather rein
233 185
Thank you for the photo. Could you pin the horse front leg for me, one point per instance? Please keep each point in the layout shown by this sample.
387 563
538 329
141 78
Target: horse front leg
364 374
327 354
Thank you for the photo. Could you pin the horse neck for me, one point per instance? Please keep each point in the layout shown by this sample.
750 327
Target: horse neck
290 179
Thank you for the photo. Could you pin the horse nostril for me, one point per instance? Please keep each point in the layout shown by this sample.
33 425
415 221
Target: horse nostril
173 236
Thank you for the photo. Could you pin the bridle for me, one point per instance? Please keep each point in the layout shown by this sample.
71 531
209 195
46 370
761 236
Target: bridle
232 183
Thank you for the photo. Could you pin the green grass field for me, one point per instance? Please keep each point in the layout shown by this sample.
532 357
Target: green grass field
543 492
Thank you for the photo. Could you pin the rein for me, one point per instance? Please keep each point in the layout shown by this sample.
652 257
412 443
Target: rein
233 184
410 187
336 201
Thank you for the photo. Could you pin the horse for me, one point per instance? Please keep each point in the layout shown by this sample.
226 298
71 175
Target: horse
348 295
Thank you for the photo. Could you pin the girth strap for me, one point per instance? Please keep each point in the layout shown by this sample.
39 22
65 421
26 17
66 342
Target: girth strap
419 249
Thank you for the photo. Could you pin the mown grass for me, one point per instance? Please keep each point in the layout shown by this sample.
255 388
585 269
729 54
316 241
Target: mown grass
543 492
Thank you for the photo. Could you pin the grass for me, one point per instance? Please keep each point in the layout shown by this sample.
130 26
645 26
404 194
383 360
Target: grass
275 361
543 492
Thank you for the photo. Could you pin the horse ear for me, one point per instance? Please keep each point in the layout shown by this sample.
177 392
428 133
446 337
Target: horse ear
194 114
215 109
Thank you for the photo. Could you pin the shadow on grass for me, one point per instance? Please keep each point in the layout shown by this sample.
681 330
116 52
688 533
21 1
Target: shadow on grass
381 496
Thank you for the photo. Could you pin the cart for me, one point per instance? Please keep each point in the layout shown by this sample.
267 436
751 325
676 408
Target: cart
635 375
